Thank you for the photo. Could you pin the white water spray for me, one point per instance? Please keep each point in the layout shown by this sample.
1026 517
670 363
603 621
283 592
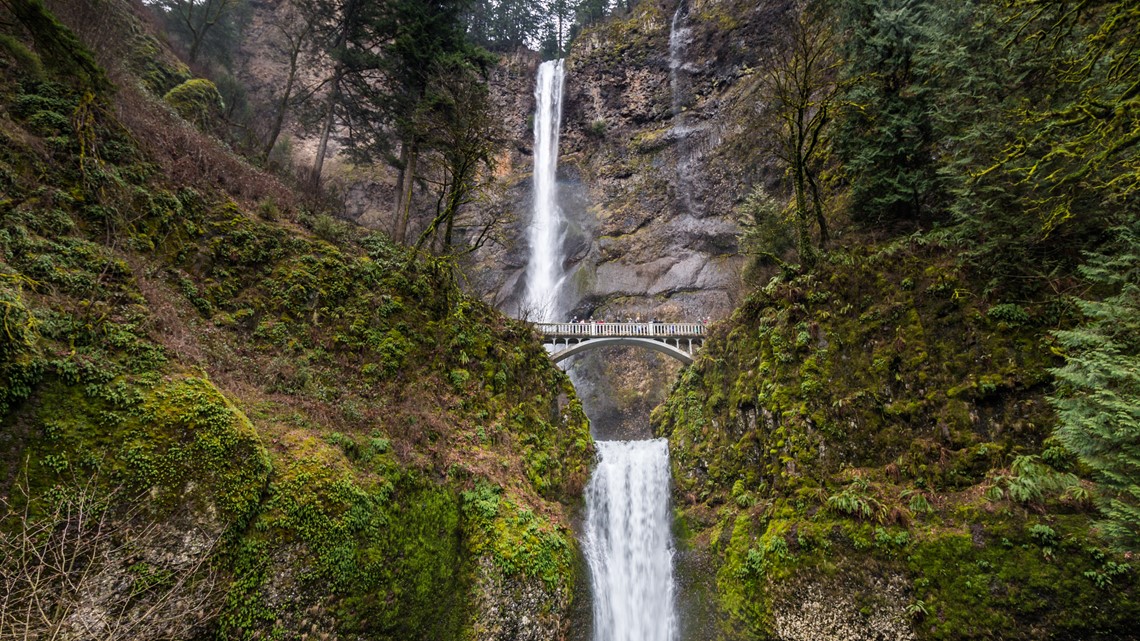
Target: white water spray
545 273
628 543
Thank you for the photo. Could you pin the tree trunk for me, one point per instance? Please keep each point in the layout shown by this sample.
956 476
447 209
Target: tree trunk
404 197
326 130
803 231
817 206
279 122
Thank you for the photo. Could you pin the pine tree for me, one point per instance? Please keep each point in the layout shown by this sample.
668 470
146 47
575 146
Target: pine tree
1098 395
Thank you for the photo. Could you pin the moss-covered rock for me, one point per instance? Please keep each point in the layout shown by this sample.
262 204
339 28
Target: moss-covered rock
179 441
198 101
863 451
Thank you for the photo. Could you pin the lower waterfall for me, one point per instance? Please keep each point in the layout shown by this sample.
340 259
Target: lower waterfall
628 542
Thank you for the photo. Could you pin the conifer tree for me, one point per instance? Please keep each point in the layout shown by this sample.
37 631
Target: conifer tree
886 136
1098 396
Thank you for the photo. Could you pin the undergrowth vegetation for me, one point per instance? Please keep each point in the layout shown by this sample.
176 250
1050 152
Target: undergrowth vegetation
907 435
324 404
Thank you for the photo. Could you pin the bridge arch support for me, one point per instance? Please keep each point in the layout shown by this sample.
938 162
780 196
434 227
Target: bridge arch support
678 340
649 343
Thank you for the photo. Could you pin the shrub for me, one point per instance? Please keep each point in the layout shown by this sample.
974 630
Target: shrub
1009 313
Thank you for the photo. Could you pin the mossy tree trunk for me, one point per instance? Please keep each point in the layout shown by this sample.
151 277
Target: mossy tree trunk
57 44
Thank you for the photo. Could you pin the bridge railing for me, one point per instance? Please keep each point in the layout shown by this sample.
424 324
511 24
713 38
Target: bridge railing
591 330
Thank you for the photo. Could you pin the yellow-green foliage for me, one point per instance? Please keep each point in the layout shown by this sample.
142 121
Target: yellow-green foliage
519 541
386 540
197 100
177 440
853 421
369 376
18 336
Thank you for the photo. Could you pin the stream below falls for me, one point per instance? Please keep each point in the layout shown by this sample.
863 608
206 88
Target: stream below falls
628 542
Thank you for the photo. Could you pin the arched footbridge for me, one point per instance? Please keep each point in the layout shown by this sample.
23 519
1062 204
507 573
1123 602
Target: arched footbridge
679 340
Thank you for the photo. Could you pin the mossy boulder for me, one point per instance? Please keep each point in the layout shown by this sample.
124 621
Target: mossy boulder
198 101
179 441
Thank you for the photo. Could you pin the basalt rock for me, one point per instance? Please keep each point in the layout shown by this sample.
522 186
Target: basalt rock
651 171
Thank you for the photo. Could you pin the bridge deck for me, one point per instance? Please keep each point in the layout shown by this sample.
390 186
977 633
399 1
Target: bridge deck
621 330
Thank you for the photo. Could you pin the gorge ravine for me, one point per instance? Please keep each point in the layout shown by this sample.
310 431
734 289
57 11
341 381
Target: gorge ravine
627 539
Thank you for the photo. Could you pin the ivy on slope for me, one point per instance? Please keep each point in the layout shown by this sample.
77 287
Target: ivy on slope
875 436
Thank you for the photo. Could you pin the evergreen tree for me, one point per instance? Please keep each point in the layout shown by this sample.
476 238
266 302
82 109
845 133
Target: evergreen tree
886 137
1083 135
1098 396
1036 108
418 37
196 21
504 25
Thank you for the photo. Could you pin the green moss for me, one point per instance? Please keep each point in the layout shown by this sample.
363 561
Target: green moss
197 100
517 540
56 44
19 366
26 60
387 549
1008 580
179 441
843 424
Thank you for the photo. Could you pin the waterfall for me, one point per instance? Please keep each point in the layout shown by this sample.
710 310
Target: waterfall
628 542
678 81
545 273
678 38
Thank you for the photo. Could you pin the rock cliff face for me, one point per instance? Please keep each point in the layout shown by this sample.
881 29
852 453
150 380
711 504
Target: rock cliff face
651 170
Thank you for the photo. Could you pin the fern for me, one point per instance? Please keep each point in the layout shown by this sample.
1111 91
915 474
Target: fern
856 500
1032 481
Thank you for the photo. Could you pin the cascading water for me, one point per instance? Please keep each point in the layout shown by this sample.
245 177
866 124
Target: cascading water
628 542
628 538
678 38
545 273
679 82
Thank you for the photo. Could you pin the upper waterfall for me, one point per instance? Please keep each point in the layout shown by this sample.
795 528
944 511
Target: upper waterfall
679 35
678 38
545 272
